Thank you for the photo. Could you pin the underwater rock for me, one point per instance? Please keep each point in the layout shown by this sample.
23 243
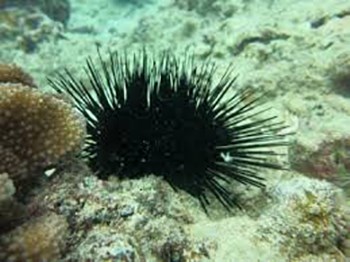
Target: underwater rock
306 220
309 217
107 244
96 212
328 159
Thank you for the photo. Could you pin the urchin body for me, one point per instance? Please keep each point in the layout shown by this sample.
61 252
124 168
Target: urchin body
167 117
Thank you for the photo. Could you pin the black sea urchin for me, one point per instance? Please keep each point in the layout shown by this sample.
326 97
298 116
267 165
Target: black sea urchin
167 117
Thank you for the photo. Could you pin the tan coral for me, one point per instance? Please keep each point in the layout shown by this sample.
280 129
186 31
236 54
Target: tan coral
14 74
36 130
42 239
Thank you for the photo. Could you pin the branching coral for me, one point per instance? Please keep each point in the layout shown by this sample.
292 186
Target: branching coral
36 130
41 239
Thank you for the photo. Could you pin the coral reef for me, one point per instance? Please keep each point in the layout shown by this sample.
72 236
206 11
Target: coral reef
41 239
37 130
301 220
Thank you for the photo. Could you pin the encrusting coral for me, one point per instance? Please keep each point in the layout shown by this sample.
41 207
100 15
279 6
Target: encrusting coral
41 239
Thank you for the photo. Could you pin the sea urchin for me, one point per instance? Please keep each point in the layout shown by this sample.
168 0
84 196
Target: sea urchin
167 117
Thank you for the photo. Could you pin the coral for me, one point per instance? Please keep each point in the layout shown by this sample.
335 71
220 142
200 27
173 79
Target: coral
309 217
36 130
41 239
14 74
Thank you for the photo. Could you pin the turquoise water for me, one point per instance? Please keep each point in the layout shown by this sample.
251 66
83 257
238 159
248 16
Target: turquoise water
54 208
